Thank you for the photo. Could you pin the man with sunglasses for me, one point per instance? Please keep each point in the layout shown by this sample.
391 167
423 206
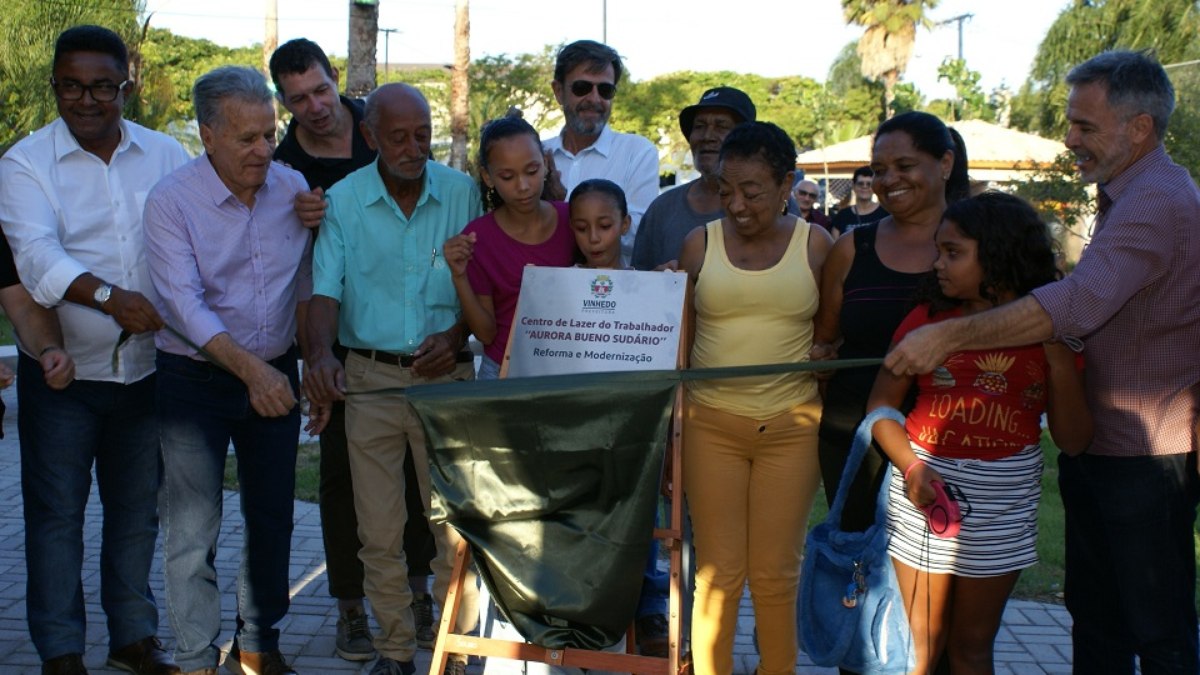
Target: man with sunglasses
586 75
71 198
806 193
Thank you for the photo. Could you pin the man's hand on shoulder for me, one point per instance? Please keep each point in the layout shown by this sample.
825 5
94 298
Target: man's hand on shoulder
310 207
132 311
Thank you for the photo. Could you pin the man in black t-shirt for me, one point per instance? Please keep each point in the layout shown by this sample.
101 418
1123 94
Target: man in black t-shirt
325 143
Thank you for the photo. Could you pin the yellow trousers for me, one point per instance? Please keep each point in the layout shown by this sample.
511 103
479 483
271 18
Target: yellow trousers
750 486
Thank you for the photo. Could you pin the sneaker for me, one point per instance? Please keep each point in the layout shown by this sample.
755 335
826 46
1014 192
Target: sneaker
455 667
353 641
386 666
422 607
144 657
653 635
256 663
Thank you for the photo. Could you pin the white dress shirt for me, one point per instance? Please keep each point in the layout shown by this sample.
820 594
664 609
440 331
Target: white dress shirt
65 212
628 160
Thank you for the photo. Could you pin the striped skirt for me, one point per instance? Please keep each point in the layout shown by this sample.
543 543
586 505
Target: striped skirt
999 527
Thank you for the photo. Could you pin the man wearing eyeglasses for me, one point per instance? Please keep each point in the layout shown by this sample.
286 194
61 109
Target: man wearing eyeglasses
586 75
806 193
71 198
865 210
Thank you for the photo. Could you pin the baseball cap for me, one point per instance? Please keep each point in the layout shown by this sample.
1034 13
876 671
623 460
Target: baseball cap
734 100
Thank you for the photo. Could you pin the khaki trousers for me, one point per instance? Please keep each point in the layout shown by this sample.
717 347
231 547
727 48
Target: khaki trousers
378 429
750 486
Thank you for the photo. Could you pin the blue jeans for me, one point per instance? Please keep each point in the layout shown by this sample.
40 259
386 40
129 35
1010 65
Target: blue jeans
201 409
1131 562
62 434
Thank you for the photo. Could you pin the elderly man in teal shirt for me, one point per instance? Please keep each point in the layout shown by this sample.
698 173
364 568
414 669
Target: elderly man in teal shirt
382 288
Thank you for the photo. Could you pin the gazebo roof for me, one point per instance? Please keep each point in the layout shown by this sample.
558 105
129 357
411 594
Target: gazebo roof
989 146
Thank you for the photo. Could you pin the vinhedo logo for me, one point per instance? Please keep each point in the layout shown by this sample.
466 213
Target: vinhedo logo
600 287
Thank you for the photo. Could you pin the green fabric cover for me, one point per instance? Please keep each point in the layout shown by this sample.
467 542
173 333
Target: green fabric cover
553 481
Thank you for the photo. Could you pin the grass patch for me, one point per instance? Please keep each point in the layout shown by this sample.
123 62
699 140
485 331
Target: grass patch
308 472
6 330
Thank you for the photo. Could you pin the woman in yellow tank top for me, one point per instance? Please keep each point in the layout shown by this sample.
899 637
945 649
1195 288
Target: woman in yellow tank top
750 465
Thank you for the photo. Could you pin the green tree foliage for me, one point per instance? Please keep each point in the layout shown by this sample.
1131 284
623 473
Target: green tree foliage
1183 134
970 102
28 29
170 65
651 108
522 81
860 99
1058 195
890 30
1088 27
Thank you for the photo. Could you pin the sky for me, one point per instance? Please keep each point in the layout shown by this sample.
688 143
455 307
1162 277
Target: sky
766 37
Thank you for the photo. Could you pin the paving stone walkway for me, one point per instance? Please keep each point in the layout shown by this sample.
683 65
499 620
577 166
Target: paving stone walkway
1034 639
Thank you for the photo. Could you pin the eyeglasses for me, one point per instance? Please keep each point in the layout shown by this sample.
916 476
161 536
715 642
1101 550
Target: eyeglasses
582 88
102 92
806 193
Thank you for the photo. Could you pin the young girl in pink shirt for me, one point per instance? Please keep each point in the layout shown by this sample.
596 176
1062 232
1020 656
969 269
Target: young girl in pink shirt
488 258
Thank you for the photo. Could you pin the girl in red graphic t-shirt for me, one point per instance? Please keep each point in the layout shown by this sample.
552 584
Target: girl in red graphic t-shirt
975 428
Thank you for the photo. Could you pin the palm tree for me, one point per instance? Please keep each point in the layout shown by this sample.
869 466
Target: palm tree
886 45
360 57
460 86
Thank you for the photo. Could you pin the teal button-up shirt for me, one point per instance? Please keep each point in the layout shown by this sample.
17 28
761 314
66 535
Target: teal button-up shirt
386 269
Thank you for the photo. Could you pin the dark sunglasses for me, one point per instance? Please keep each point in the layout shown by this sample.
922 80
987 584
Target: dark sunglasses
582 88
806 193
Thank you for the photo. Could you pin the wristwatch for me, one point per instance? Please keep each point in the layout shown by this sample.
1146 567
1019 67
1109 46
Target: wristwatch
102 294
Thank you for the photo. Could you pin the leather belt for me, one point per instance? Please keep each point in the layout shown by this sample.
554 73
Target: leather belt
404 360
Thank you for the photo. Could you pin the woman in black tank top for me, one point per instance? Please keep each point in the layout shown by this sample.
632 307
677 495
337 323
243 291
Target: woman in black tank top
868 282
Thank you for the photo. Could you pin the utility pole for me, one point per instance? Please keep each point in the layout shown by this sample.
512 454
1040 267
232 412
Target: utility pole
387 34
959 20
360 58
604 22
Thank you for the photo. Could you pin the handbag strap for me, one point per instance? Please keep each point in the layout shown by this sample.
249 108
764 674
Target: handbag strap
862 441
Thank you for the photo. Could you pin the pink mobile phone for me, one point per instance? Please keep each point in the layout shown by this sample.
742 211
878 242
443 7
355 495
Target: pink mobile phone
942 515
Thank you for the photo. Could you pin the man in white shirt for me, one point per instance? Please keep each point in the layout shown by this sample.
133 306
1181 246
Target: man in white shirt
71 198
586 75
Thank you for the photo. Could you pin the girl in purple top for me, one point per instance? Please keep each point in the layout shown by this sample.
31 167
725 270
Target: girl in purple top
487 260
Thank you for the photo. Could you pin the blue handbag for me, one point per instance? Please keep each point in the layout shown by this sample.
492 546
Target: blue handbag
850 611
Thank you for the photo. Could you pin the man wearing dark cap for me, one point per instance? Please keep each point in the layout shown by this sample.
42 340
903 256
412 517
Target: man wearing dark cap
676 212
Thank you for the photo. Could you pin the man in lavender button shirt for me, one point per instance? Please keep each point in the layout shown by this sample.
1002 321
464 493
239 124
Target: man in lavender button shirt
1131 498
232 266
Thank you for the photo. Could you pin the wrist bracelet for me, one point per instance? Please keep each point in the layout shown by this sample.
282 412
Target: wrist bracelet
910 468
49 349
